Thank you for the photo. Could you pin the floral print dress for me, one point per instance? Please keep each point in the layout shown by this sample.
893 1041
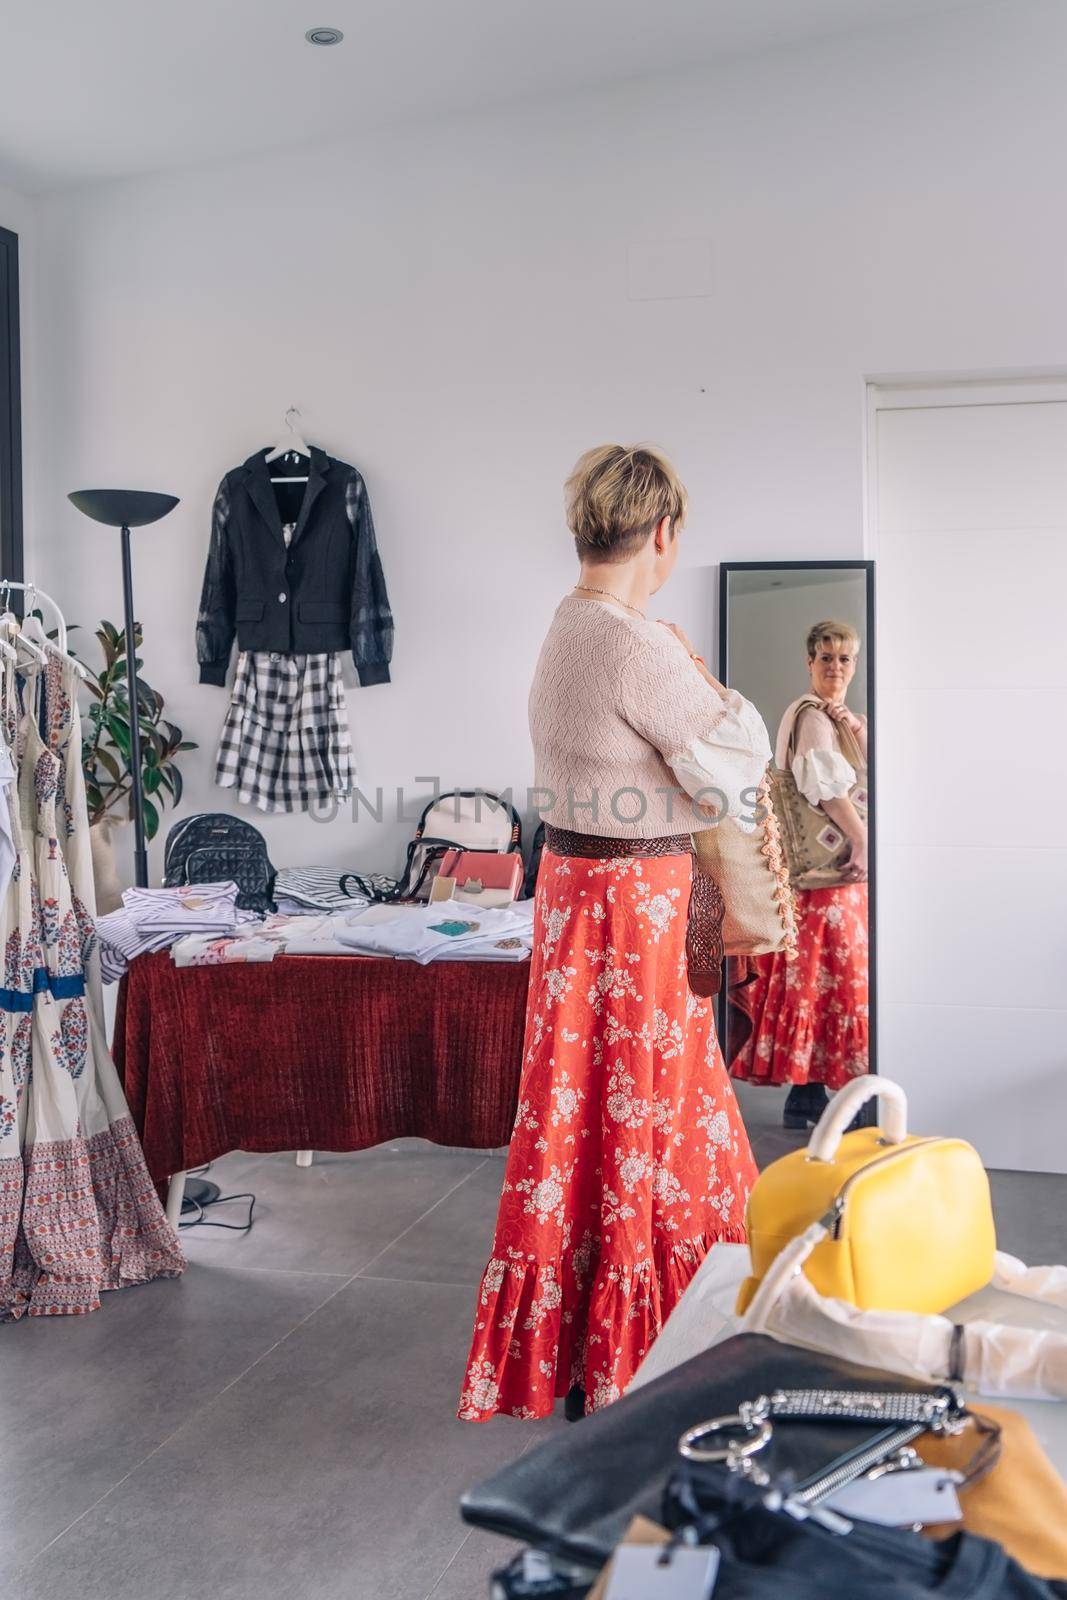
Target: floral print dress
628 1158
810 1018
78 1212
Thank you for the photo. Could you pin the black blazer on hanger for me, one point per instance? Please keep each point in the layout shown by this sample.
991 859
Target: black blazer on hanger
324 591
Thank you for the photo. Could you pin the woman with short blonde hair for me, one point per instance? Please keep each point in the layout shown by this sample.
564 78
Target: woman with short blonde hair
628 1158
809 1020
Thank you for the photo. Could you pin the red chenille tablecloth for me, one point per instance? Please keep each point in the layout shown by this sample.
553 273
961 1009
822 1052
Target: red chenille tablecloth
318 1053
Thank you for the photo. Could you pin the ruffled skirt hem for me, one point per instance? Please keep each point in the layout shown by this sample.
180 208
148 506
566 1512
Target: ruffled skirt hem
803 1045
590 1332
82 1218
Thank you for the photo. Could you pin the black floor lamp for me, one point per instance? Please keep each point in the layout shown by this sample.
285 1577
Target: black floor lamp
126 509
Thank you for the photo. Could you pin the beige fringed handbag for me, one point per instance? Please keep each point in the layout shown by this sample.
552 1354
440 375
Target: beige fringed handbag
749 867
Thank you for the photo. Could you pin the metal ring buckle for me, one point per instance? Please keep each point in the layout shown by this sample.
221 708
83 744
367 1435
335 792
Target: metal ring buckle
756 1433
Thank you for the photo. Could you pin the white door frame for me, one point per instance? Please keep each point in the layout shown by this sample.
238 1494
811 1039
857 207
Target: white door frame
930 392
914 393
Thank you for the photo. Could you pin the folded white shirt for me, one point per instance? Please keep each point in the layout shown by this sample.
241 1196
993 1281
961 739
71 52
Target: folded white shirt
206 904
152 919
441 932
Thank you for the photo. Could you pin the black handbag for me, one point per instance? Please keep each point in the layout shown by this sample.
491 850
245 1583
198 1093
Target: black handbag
212 847
576 1495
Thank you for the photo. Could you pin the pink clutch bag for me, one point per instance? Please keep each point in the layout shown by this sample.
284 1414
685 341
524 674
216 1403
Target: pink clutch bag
479 877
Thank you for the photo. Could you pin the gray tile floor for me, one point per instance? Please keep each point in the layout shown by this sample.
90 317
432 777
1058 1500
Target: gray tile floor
281 1421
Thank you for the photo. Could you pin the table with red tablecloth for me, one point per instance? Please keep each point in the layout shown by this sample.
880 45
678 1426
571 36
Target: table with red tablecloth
317 1053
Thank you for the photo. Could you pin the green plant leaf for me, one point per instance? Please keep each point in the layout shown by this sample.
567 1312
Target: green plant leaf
151 819
172 782
107 734
109 764
119 729
120 641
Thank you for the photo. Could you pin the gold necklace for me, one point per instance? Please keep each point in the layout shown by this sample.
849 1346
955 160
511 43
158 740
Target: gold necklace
587 588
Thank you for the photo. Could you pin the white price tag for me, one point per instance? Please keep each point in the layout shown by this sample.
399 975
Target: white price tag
662 1572
901 1499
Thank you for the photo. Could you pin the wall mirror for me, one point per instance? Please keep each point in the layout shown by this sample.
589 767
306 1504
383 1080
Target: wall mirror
797 639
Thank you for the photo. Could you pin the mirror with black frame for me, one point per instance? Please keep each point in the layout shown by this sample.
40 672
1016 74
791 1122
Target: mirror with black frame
797 639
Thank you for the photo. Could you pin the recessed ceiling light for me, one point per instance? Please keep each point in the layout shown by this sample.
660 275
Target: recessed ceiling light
324 36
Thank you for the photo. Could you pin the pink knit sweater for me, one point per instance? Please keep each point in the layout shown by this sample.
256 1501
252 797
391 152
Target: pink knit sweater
613 700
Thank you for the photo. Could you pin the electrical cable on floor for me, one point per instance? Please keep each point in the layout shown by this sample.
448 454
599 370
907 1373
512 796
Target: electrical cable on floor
201 1220
214 1198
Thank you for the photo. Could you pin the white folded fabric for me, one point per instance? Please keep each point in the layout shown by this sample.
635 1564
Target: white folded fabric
998 1357
442 932
413 933
279 934
152 919
207 904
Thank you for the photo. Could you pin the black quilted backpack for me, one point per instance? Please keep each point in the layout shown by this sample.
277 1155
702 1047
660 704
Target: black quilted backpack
214 848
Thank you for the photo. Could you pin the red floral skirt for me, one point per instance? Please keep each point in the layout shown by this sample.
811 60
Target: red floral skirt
628 1158
810 1018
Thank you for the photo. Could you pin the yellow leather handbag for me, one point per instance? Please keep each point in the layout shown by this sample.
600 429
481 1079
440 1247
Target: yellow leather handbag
910 1218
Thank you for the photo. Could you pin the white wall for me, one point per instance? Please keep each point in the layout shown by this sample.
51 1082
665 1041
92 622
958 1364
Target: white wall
768 627
969 514
449 306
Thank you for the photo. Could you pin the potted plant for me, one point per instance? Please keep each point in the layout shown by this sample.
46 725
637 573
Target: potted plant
106 757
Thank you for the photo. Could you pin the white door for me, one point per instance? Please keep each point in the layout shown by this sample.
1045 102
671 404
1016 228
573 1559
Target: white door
967 520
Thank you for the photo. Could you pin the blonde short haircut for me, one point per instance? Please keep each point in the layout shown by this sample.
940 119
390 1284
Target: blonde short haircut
616 495
838 633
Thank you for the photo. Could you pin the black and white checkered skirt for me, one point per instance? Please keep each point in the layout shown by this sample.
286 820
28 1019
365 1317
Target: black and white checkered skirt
285 742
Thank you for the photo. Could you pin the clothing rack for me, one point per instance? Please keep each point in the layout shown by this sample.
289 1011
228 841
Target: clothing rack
34 594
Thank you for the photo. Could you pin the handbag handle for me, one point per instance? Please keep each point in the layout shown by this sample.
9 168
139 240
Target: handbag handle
826 1137
846 739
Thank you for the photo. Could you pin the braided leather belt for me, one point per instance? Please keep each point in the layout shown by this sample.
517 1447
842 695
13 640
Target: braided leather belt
704 949
562 842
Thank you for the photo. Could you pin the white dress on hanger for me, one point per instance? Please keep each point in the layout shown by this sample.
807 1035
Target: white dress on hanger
78 1211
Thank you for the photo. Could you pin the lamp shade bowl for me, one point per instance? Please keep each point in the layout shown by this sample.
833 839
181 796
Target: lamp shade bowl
123 508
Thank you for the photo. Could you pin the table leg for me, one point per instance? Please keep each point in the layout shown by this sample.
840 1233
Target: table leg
304 1158
174 1199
